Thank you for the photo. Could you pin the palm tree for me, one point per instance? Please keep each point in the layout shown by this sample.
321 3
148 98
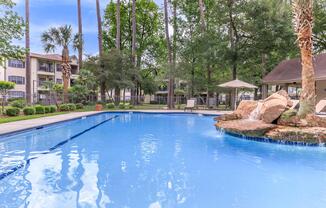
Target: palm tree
168 43
28 58
61 37
100 45
303 23
80 34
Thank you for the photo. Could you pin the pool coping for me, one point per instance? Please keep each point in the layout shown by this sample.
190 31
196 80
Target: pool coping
271 140
20 130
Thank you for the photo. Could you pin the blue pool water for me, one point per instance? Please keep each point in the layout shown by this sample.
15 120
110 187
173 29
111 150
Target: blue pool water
155 161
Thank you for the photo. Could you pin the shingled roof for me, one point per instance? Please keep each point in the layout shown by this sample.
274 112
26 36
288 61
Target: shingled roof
289 71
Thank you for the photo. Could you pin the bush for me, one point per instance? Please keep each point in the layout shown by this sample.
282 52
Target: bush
29 111
122 106
71 106
39 109
20 103
53 108
47 109
110 106
79 106
12 111
64 107
131 107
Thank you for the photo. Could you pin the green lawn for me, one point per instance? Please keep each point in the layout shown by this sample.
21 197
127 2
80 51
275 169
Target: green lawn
23 117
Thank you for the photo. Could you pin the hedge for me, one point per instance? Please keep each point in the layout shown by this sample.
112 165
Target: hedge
79 106
71 106
39 109
47 109
12 111
110 105
53 108
29 111
18 103
64 107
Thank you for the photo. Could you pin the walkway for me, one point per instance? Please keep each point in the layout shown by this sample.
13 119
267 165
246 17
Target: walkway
7 128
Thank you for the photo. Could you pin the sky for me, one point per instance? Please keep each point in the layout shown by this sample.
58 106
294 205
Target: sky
49 13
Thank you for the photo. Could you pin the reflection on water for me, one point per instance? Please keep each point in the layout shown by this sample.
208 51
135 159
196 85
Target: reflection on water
156 162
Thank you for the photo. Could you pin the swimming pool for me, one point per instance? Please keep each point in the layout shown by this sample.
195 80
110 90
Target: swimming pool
155 160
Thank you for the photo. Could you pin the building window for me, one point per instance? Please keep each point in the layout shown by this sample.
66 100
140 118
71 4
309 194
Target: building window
17 79
59 81
59 68
16 63
46 66
16 94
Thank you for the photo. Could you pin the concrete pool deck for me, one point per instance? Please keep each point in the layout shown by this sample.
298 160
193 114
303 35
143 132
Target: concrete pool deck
11 127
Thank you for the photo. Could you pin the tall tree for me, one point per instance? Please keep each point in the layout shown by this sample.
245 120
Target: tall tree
28 57
118 46
118 35
170 100
133 49
303 24
100 45
61 37
80 35
11 29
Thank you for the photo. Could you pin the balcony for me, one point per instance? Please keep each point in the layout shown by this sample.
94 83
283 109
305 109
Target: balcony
46 67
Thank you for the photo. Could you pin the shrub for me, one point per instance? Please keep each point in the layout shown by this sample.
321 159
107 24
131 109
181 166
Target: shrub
110 105
122 106
131 107
12 111
29 111
39 109
47 109
20 103
64 107
53 108
71 106
79 106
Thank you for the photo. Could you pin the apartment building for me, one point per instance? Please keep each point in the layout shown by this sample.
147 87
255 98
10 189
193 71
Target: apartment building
44 67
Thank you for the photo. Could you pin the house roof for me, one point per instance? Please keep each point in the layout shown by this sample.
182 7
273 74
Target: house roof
289 71
55 57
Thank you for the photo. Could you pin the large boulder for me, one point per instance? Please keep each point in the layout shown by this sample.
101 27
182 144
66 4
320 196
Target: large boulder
273 106
245 108
246 127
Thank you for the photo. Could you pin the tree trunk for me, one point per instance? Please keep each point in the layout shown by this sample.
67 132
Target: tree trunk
66 72
28 58
303 19
168 43
133 52
202 15
99 28
100 45
80 35
118 37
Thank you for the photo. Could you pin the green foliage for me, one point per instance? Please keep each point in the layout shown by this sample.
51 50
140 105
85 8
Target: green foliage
12 111
47 109
122 106
29 111
64 107
79 106
5 86
39 109
20 103
110 106
71 106
53 109
12 28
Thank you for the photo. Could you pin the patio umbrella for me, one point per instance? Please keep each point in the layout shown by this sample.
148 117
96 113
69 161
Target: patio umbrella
237 84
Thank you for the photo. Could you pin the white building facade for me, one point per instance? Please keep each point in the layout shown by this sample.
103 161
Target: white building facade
44 67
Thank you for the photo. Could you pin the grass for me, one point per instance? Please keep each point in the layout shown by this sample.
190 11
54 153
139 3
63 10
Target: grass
23 117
